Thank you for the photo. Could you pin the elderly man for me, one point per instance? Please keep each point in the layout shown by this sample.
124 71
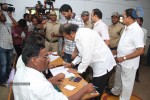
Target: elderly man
128 56
92 51
34 84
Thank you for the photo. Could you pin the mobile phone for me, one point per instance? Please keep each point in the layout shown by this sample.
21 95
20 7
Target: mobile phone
77 79
71 78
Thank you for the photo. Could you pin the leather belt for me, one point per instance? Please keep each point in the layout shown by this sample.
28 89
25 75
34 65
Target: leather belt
52 41
114 48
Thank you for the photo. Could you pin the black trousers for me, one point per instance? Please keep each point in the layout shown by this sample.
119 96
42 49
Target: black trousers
18 49
100 82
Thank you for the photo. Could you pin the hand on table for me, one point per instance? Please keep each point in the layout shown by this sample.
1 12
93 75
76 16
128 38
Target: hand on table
71 70
89 88
65 64
56 80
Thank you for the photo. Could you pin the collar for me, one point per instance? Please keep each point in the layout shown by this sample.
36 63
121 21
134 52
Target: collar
131 26
34 71
99 21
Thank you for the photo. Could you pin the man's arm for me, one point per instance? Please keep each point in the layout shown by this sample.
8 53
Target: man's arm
137 52
56 80
86 89
12 19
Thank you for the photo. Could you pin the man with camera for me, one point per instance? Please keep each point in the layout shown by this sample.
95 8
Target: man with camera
6 46
7 8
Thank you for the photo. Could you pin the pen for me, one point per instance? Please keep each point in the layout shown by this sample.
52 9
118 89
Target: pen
95 87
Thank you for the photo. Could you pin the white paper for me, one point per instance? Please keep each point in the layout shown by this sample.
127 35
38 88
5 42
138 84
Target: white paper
69 87
61 69
52 57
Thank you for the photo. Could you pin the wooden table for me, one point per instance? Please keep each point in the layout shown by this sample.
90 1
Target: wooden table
78 85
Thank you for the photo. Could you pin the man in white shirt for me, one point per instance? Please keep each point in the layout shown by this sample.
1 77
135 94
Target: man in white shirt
29 82
131 46
92 51
99 26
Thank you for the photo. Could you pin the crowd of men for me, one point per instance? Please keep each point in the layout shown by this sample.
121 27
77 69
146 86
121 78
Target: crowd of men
81 42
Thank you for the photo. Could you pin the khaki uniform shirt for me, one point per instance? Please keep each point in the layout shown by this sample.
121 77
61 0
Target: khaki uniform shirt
50 29
88 24
115 32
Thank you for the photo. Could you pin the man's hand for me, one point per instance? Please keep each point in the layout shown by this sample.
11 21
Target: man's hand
74 54
53 34
56 80
72 71
119 59
9 14
67 64
89 88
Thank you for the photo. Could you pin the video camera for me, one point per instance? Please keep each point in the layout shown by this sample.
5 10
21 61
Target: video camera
39 7
7 7
49 2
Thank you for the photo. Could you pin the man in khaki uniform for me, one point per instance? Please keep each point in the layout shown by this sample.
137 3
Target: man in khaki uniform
85 15
115 31
52 32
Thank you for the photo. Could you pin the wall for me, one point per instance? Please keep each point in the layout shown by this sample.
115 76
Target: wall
106 6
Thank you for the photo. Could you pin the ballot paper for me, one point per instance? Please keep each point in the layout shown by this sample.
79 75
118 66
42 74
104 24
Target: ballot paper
69 87
63 70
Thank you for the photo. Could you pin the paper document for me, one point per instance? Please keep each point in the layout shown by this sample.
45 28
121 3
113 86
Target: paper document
69 87
63 70
53 57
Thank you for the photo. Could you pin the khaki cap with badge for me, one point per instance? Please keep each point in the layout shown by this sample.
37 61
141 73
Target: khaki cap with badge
53 13
115 14
85 13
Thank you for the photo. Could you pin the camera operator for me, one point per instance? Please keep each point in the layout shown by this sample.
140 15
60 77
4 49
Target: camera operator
39 9
7 8
6 46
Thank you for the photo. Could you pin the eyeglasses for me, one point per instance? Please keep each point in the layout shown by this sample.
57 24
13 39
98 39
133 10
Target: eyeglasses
46 56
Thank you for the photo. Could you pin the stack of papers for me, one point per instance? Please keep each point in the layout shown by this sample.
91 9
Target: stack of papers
63 70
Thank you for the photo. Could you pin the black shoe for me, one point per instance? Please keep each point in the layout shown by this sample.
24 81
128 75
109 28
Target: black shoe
108 91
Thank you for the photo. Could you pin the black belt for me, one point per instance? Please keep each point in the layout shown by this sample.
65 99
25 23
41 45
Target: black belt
52 41
115 48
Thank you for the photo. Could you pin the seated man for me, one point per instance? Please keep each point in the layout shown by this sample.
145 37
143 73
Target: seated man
29 82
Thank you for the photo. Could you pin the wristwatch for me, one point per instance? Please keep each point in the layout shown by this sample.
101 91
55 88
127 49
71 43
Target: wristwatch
124 58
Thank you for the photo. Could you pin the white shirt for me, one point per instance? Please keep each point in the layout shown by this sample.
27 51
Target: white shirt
19 63
30 84
93 51
145 34
101 28
131 39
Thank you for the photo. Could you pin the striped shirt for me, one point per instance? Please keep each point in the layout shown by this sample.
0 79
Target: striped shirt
70 45
5 36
